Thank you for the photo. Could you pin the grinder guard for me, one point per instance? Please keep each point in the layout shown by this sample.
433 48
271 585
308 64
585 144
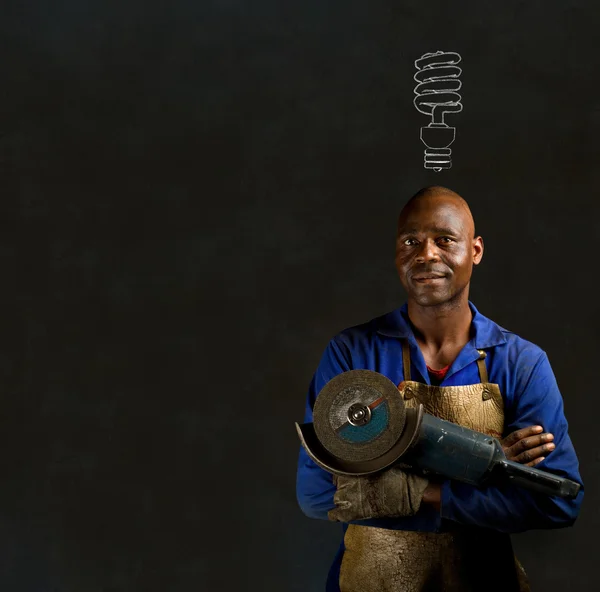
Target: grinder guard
321 456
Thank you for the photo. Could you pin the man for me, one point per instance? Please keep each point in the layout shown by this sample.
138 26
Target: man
404 531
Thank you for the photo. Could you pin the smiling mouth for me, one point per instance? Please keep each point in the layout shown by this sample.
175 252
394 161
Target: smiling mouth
428 278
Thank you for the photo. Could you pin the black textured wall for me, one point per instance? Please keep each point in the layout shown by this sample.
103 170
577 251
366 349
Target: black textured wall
195 197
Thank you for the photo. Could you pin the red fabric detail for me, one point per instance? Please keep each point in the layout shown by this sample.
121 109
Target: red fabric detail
439 373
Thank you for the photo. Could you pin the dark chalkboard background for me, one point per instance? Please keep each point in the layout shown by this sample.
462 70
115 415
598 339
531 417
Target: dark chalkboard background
195 197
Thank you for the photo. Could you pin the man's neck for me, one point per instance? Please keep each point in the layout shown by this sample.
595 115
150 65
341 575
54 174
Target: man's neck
440 327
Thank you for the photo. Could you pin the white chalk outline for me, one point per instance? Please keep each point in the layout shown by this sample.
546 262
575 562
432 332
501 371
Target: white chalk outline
436 94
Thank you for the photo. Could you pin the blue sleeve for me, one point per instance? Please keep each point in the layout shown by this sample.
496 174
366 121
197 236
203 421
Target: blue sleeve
314 485
509 508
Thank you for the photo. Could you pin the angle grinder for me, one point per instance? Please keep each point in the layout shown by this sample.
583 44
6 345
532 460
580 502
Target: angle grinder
361 426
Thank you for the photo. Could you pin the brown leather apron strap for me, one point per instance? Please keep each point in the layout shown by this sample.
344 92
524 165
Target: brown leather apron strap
483 374
406 359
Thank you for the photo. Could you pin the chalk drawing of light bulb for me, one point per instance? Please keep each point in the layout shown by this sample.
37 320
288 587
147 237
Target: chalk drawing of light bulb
437 76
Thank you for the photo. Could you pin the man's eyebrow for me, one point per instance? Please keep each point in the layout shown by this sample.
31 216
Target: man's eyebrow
436 229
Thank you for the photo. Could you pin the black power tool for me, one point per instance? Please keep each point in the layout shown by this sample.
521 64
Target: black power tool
361 426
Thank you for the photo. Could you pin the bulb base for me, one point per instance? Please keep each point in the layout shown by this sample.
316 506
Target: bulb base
438 159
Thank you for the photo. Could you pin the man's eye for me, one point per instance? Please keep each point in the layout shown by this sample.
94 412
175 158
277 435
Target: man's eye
409 242
446 239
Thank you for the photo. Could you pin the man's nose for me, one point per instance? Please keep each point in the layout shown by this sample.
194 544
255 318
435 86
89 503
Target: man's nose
428 252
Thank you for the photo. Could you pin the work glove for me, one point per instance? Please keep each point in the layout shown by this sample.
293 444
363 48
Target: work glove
392 493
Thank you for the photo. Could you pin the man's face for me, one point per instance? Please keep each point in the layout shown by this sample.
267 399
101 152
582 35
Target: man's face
436 251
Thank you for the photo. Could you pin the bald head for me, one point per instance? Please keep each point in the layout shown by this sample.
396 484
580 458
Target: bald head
438 196
436 246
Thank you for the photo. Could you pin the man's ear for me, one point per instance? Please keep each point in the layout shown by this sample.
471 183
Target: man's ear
477 250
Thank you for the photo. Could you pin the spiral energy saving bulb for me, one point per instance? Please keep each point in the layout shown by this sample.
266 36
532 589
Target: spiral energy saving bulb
437 76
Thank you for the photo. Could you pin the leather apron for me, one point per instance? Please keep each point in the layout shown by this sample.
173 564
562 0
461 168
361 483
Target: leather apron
459 559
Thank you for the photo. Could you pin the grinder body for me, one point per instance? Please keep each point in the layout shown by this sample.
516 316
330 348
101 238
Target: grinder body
451 450
469 456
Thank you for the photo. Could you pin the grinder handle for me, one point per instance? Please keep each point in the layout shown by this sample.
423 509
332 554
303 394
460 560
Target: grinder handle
536 480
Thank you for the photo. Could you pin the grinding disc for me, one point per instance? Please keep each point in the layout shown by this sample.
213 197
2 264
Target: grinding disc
359 415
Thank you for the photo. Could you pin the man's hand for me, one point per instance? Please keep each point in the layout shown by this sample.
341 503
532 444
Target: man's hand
528 446
433 495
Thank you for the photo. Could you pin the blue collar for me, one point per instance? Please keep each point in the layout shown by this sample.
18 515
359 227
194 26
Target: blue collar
486 333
